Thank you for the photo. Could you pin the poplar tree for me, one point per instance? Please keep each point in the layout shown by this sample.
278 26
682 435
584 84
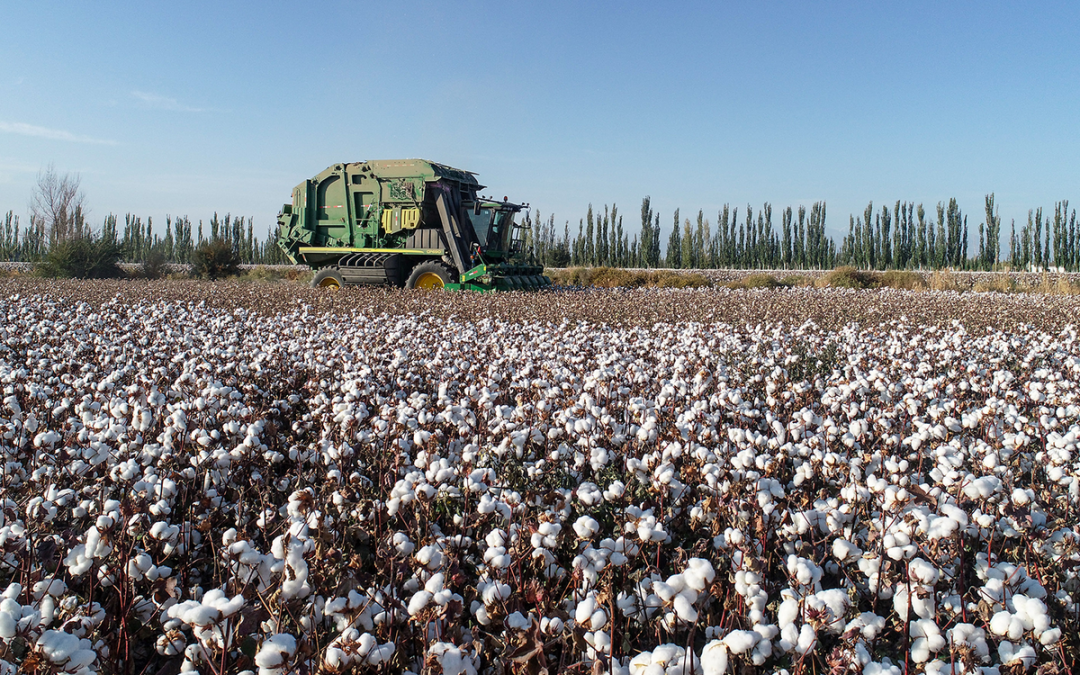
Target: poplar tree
674 247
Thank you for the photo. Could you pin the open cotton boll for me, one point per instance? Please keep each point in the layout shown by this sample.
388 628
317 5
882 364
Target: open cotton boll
868 624
714 658
418 601
684 608
983 487
586 527
518 621
274 653
740 641
923 572
65 649
1023 654
452 659
842 549
699 574
928 639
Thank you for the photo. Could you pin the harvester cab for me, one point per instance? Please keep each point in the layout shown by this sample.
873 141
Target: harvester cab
410 223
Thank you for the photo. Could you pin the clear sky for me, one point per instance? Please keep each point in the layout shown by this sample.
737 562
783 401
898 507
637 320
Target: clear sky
190 108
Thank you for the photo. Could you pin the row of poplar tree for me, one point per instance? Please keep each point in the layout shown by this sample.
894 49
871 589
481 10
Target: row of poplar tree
900 237
897 237
177 243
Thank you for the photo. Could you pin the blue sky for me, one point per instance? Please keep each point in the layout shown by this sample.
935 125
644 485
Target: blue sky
190 108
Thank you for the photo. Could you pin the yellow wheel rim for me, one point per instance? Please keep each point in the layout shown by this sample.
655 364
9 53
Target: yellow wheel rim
429 280
330 282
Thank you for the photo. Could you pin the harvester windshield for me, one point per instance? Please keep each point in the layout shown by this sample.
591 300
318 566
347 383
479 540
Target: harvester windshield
494 225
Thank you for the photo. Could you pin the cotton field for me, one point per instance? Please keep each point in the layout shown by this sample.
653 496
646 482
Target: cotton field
227 478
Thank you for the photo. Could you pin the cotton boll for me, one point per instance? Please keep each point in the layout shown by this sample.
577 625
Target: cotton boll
684 609
740 641
714 658
586 527
807 639
699 574
843 549
923 572
418 601
1022 654
275 652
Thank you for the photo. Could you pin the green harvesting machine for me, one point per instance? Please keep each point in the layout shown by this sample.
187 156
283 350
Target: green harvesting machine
408 223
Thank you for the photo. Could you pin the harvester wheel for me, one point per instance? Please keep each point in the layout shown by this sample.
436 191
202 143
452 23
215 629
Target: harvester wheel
328 278
430 275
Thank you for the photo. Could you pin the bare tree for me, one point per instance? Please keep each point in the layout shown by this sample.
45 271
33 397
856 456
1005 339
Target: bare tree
57 205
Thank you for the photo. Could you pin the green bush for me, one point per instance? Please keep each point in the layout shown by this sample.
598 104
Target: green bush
665 279
759 280
155 265
849 277
215 259
270 275
903 279
82 258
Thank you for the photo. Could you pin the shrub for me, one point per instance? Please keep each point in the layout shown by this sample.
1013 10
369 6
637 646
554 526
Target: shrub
682 280
266 274
613 277
999 283
155 265
759 280
82 258
849 277
215 259
944 280
903 279
796 280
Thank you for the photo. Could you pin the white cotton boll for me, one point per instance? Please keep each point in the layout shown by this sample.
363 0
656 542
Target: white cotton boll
739 641
923 572
663 590
598 620
787 613
8 625
430 556
275 651
453 660
1050 637
982 487
518 621
714 658
585 608
615 491
495 593
842 549
684 609
699 573
807 639
402 544
1023 655
58 647
586 527
1021 497
435 583
418 601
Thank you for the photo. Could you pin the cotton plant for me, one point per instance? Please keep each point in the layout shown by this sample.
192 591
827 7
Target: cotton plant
365 489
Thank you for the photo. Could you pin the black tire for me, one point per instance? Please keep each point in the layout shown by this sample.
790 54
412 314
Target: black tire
431 275
328 277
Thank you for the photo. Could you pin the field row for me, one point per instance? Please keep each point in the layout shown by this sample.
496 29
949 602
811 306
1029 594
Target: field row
221 478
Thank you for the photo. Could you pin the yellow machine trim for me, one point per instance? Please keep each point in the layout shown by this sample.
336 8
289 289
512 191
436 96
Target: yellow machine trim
344 249
399 218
